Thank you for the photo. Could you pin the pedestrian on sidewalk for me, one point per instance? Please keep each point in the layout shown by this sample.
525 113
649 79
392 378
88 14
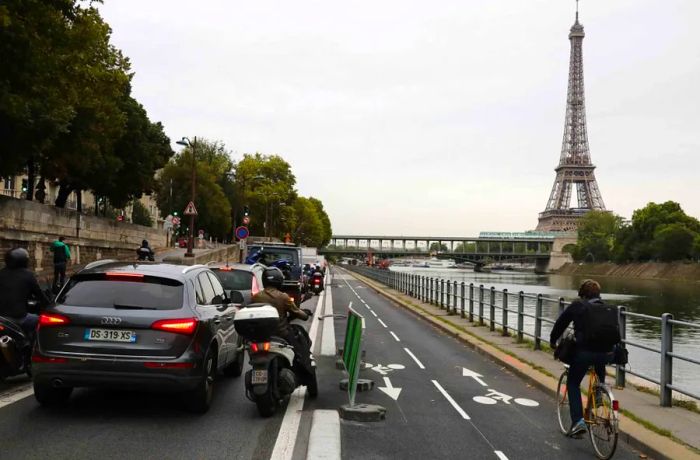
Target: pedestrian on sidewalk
61 256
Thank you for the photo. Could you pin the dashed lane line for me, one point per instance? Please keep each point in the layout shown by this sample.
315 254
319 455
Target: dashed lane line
500 455
395 336
450 400
324 440
286 439
420 364
381 322
373 312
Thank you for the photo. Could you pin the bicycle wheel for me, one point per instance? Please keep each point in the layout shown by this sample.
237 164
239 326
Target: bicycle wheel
603 429
563 413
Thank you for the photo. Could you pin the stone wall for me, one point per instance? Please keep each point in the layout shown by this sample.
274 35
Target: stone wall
34 226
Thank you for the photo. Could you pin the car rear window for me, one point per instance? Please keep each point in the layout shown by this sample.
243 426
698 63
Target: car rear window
236 280
272 254
148 293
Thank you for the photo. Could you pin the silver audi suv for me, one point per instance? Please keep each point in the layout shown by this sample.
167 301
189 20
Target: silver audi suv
137 326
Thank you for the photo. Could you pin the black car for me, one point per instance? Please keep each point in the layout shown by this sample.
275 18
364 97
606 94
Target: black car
288 258
246 279
141 326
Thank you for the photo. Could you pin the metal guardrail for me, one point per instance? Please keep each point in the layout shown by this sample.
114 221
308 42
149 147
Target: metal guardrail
480 304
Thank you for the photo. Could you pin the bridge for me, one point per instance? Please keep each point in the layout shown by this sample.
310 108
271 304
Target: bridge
539 247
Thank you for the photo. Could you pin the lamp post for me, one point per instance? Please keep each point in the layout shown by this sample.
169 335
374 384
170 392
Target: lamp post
186 142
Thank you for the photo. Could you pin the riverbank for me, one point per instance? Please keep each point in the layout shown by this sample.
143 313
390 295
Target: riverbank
681 271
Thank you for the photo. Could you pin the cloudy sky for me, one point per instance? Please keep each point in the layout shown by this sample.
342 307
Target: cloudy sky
415 117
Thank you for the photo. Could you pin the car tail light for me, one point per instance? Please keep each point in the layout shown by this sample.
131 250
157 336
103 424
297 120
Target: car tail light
123 276
158 365
616 405
52 319
185 326
225 269
260 346
48 359
255 287
2 328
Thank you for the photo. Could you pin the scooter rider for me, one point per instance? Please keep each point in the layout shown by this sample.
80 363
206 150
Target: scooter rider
287 310
18 285
145 252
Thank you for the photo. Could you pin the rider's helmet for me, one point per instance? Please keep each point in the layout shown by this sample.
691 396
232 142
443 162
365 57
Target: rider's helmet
590 289
144 243
17 258
273 277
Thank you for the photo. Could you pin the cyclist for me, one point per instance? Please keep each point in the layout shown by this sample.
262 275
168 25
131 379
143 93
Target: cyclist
594 338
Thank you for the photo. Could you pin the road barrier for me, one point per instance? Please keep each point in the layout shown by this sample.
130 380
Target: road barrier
524 315
351 351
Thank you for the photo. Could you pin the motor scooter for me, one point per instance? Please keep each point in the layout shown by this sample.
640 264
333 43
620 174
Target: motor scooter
276 370
15 349
317 283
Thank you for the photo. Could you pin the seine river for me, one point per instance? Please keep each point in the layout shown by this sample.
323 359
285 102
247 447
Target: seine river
651 297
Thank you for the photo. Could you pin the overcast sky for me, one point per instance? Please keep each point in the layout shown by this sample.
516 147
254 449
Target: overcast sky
416 117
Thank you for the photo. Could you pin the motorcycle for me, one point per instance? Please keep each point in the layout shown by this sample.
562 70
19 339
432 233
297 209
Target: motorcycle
276 370
317 283
15 349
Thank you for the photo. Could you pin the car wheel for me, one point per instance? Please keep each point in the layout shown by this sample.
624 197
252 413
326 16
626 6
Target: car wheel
235 368
47 395
199 399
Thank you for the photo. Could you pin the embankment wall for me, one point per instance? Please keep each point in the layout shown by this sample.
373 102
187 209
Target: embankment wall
689 271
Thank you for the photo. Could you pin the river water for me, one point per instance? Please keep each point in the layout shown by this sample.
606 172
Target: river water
650 297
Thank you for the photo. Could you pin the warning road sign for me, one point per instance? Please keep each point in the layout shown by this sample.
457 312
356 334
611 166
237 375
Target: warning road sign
246 220
190 210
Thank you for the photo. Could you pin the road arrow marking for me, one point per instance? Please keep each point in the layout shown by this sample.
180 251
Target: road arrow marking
467 373
392 392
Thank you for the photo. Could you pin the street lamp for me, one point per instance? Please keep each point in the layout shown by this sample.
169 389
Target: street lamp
186 142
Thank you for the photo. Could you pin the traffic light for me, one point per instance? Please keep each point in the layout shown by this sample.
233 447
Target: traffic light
246 211
25 185
175 213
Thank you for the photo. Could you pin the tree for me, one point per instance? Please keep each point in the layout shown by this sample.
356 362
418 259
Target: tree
673 242
596 235
438 247
263 183
465 247
140 215
305 225
213 207
325 221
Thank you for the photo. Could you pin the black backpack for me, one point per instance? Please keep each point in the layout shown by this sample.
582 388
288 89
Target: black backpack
602 326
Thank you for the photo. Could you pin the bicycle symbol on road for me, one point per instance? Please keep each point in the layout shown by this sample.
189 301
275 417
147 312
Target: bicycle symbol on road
384 370
493 396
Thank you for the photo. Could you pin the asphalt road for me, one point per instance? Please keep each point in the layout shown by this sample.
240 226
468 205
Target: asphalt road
435 414
115 424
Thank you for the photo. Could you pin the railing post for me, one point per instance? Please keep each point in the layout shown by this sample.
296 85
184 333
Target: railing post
492 309
442 293
448 294
666 376
471 302
462 301
430 290
422 287
504 318
481 305
521 317
538 321
561 304
620 368
454 297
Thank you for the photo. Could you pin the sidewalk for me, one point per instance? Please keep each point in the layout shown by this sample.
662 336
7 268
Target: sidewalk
542 370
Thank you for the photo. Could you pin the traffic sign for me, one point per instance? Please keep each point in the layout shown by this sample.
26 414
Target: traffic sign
176 221
351 351
190 210
242 233
246 220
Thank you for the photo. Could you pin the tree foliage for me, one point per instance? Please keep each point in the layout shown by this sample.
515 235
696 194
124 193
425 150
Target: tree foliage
596 235
140 215
438 247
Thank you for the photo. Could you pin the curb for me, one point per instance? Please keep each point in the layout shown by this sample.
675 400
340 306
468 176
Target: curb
634 434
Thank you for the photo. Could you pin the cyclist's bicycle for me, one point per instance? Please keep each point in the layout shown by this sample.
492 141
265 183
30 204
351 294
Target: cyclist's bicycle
601 413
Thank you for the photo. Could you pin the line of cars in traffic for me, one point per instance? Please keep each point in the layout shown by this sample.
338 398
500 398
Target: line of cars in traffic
146 326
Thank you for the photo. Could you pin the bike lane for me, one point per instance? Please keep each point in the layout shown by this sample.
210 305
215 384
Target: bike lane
474 404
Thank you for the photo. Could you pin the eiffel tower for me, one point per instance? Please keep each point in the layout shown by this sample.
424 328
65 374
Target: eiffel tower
575 167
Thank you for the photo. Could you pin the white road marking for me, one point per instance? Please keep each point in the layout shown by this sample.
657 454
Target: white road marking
526 402
395 336
381 322
375 315
500 455
284 446
15 395
324 440
389 390
420 364
450 400
328 338
469 373
315 321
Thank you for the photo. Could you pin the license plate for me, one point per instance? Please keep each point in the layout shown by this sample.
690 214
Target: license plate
110 335
259 377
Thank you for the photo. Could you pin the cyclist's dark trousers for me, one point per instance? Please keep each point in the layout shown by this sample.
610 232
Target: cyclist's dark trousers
582 361
59 275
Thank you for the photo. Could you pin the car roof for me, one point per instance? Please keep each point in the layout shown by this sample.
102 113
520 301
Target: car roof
163 270
235 266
